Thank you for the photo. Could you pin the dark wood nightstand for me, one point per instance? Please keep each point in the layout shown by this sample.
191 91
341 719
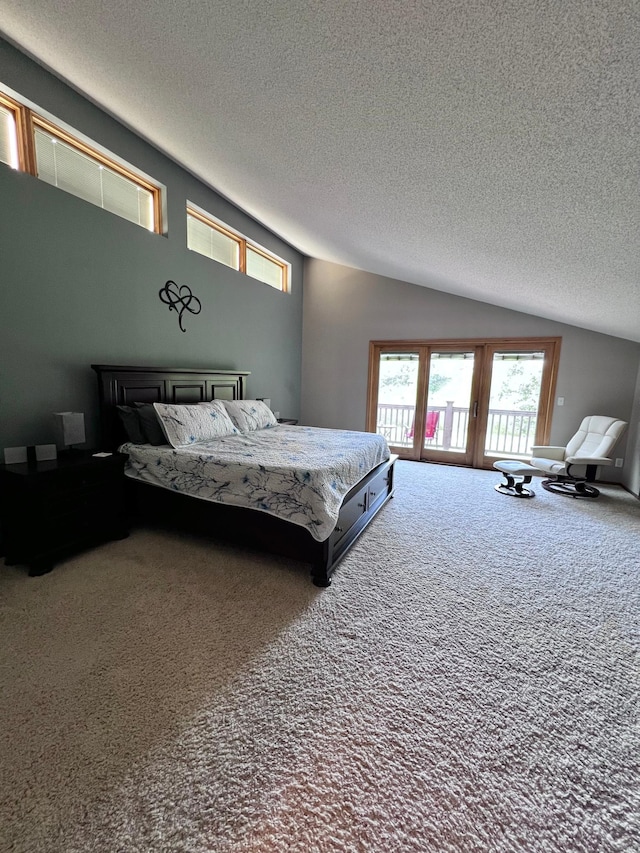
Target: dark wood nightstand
287 421
50 509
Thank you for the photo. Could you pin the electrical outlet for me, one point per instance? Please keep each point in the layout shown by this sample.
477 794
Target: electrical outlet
561 401
619 463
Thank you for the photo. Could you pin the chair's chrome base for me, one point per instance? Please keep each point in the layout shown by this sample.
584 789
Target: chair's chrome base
515 487
570 488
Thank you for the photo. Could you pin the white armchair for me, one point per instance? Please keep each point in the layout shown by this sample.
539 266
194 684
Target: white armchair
573 468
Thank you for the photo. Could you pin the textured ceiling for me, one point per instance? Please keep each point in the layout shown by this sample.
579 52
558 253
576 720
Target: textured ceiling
489 148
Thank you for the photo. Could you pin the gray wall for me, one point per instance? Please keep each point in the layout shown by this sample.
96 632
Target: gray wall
345 308
632 469
80 285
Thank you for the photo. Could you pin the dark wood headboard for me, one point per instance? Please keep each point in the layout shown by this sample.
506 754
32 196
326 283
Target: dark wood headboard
124 385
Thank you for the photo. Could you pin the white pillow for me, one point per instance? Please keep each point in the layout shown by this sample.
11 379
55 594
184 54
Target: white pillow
248 415
185 425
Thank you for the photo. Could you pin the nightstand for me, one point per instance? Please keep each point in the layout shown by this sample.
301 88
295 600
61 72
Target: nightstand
287 421
50 509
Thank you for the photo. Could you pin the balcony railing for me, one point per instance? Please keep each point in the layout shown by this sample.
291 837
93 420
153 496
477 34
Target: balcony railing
509 432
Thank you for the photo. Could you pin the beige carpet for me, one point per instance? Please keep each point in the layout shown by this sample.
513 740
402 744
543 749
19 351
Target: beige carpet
470 682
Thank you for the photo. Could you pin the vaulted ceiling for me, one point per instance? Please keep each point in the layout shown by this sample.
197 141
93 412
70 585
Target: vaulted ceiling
488 148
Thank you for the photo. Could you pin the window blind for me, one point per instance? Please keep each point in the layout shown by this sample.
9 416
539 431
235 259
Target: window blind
72 170
214 244
264 269
8 138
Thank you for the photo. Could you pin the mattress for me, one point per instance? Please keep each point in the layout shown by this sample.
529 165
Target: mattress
297 473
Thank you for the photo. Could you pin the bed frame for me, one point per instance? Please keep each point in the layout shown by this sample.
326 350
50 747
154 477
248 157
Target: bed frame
124 385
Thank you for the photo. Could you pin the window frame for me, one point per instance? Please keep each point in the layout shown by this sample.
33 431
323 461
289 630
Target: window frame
243 242
28 117
221 229
24 138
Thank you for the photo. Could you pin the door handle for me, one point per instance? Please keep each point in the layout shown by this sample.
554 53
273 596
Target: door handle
475 409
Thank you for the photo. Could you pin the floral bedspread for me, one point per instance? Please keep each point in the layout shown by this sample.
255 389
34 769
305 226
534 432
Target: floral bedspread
298 473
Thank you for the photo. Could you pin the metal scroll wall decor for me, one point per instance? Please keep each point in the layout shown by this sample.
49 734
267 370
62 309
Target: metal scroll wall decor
180 299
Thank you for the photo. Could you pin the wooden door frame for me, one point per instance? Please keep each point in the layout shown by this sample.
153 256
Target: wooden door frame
449 457
480 390
372 392
551 347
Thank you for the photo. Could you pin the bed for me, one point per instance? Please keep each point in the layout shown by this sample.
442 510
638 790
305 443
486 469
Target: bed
321 535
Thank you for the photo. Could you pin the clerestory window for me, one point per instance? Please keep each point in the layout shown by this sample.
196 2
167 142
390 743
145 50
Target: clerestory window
212 238
35 144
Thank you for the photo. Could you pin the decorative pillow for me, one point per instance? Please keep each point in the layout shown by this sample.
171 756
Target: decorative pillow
131 423
185 425
248 415
150 424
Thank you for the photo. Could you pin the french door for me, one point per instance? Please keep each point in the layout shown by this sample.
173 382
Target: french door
462 402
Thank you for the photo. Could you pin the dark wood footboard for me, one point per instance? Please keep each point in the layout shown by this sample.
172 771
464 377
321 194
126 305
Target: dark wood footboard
118 384
359 508
250 528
